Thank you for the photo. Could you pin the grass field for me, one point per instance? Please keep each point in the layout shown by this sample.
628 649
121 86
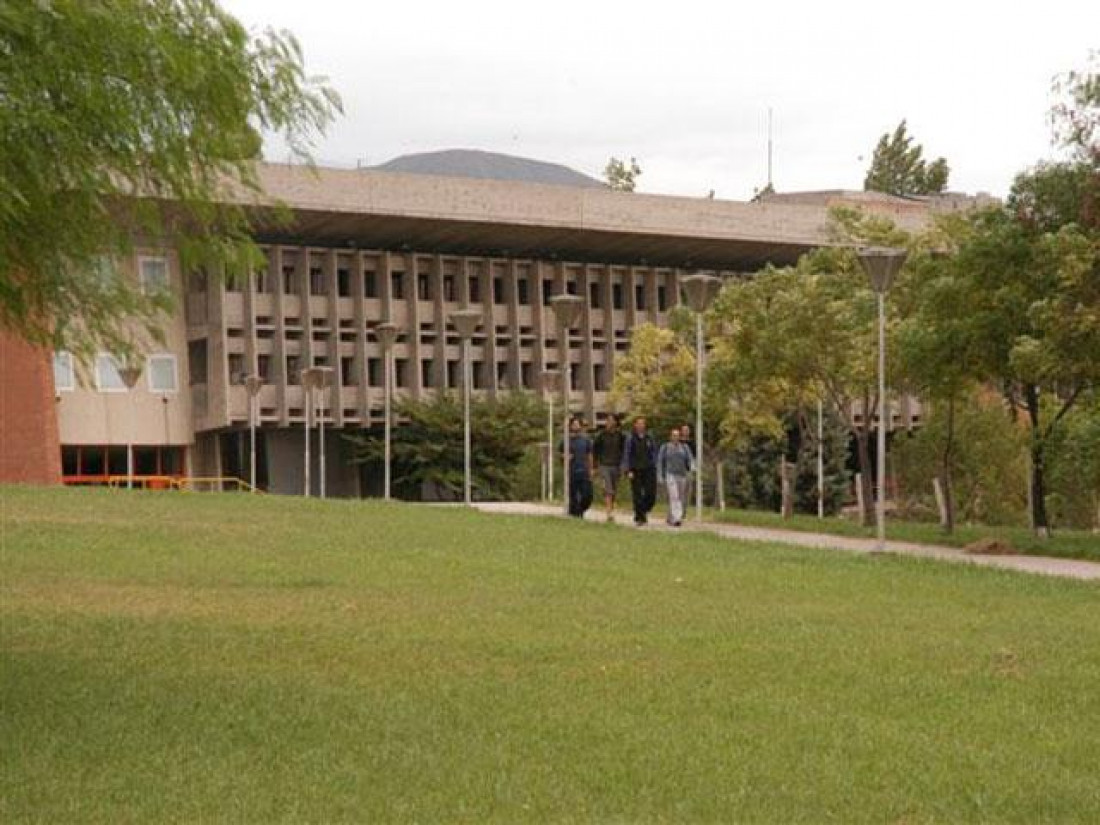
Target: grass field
210 658
1073 544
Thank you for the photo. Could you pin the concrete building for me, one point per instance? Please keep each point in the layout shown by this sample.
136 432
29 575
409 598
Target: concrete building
363 246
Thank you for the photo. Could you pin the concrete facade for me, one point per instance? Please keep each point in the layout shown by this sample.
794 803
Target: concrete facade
365 247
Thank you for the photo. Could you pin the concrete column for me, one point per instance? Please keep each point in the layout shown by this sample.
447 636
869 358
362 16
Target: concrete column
278 345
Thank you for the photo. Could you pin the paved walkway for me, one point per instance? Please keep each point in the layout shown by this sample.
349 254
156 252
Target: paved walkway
1070 568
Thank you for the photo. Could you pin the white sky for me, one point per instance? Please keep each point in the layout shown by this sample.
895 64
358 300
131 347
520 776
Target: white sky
685 86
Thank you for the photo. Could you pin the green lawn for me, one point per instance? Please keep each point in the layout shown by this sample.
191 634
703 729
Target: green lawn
224 658
1074 544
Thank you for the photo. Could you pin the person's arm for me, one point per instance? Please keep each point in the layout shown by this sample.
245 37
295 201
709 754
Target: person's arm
662 457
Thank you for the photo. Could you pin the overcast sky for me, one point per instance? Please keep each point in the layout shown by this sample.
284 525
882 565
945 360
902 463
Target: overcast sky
685 86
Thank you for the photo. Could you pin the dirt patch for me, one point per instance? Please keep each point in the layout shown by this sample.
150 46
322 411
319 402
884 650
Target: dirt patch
991 547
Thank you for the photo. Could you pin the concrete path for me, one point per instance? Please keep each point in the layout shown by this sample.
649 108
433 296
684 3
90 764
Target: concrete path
1069 568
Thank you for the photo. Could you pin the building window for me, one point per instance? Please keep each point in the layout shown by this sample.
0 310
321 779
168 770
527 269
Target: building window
639 297
347 371
262 280
526 373
153 273
502 373
107 378
236 368
64 378
370 284
374 372
290 281
448 288
161 371
498 290
424 286
343 283
397 285
571 286
316 281
617 295
594 295
475 289
293 368
662 298
263 368
401 372
426 371
454 374
523 290
599 377
547 290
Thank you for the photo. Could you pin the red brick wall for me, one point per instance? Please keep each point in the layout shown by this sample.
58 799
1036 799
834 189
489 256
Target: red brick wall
30 451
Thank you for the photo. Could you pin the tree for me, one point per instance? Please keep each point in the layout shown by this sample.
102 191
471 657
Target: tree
656 378
428 446
1077 110
125 120
898 167
1034 298
620 176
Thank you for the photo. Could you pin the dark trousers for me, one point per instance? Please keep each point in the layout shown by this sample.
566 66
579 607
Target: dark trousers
643 485
580 494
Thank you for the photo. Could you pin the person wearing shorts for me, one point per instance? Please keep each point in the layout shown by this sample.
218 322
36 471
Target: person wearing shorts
608 451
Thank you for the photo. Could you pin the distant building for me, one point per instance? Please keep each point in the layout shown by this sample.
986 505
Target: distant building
370 245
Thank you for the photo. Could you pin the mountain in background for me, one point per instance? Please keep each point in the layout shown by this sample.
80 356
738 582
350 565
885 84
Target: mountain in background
474 163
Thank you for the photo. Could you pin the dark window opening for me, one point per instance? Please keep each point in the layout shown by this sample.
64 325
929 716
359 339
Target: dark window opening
449 288
594 295
293 367
316 281
498 290
639 297
374 372
290 281
523 290
196 362
617 295
401 377
347 371
475 289
547 290
424 286
343 283
427 374
370 284
662 298
397 285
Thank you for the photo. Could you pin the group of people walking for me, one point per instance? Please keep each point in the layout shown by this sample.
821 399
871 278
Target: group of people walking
614 454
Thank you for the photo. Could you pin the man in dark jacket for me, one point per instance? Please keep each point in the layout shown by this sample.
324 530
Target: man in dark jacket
608 449
640 466
580 470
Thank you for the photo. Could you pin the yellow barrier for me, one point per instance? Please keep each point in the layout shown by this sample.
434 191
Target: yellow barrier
184 483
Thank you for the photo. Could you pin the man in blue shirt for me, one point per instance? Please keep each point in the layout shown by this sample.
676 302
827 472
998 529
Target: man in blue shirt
580 470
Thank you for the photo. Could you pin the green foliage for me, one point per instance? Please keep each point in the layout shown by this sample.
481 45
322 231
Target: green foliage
1075 467
898 167
622 176
124 121
1077 111
656 377
427 447
988 463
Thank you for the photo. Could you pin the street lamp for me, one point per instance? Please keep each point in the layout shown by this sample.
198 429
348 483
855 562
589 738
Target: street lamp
881 265
567 310
386 333
315 378
466 322
551 381
130 375
252 385
700 290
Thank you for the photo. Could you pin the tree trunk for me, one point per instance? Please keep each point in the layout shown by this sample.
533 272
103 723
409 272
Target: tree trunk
945 471
863 454
1039 517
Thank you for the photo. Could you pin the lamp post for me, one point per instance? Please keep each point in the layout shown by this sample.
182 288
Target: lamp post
130 375
567 310
466 322
700 290
252 385
386 333
315 378
881 265
551 381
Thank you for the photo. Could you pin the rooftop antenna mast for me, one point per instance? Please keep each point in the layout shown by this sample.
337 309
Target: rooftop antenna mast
770 187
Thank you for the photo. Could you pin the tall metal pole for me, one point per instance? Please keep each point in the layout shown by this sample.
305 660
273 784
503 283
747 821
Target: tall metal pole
880 504
566 482
308 390
321 435
550 448
699 416
388 394
820 460
252 399
130 442
466 417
